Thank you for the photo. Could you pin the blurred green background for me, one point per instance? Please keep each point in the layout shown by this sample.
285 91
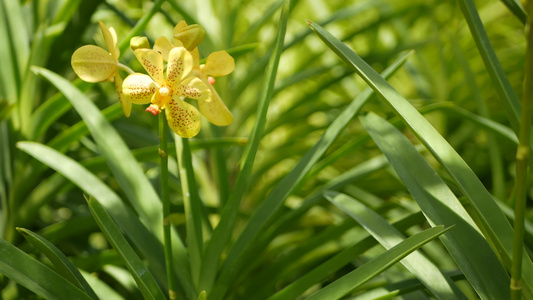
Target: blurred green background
445 78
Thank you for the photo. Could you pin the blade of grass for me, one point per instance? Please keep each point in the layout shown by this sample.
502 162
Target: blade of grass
516 8
523 153
51 110
126 170
465 243
144 279
35 276
508 97
122 164
222 232
441 286
364 273
273 201
149 246
63 266
332 265
493 222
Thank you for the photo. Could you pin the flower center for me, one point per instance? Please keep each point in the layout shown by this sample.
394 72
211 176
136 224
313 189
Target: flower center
164 91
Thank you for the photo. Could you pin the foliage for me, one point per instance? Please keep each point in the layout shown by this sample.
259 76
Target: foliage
372 154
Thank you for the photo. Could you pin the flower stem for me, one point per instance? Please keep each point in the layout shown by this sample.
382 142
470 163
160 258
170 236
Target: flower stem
163 141
522 165
125 68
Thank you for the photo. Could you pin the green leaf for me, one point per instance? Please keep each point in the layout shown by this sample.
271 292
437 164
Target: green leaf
63 266
125 168
222 232
35 276
273 201
144 279
465 243
376 266
516 8
149 246
491 220
332 265
497 75
442 287
51 110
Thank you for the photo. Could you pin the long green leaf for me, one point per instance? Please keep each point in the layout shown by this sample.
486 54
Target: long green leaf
268 207
501 83
493 222
146 242
125 168
144 279
59 260
35 276
223 231
465 243
332 265
371 269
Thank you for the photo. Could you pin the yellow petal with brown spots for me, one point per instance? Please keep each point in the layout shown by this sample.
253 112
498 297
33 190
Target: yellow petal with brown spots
183 118
93 64
215 111
163 45
179 65
152 61
139 88
218 63
194 88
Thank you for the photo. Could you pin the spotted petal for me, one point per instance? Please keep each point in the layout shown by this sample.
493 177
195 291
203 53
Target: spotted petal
163 45
179 65
139 88
93 64
183 118
194 88
152 61
124 99
218 63
215 111
110 37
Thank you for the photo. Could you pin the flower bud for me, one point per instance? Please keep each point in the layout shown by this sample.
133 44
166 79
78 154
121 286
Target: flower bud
190 36
139 42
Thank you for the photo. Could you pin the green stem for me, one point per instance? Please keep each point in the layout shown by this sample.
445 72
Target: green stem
163 141
522 167
192 204
139 27
125 68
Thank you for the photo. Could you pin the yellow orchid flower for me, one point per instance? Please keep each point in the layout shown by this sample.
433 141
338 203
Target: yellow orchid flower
218 63
166 93
95 64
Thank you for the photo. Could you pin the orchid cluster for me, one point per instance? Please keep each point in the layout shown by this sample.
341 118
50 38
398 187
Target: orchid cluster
185 77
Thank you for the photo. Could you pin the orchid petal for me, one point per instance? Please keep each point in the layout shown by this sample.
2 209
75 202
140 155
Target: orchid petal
183 118
215 111
139 42
194 88
191 36
124 99
152 61
179 65
93 64
163 45
179 28
139 88
219 63
110 37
